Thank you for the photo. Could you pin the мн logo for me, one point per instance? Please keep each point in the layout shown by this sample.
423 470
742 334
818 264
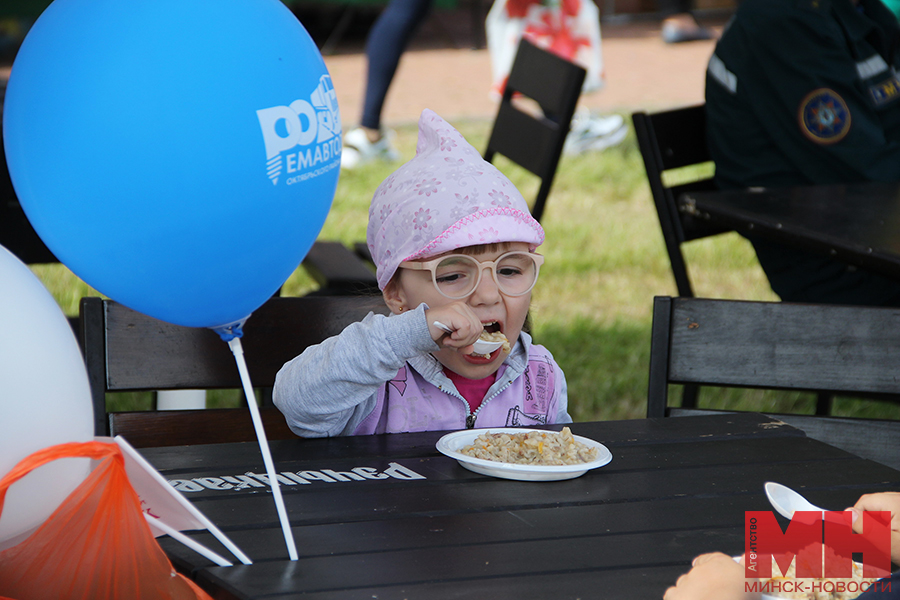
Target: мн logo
303 139
820 544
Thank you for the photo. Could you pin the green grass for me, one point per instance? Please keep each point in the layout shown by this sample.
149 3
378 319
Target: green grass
592 307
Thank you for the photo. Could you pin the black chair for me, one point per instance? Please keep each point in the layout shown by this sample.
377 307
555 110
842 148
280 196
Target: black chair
125 350
669 140
531 139
535 141
672 140
774 345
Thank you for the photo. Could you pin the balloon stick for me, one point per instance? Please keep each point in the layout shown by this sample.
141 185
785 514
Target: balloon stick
238 351
199 548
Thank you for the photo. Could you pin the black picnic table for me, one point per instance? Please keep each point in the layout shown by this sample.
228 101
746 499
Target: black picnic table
418 525
856 223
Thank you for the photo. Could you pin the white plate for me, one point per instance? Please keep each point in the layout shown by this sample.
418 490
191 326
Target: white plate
452 442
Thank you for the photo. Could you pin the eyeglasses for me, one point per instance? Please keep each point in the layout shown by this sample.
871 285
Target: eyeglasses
457 276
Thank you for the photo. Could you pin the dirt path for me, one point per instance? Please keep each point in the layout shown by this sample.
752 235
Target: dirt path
641 72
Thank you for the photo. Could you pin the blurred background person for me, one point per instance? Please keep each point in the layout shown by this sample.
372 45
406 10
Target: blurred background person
387 40
679 24
807 93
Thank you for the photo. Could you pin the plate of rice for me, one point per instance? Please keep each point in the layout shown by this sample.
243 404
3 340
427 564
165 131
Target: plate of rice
524 454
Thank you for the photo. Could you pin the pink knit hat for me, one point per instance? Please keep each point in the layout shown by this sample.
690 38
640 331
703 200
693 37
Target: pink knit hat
445 198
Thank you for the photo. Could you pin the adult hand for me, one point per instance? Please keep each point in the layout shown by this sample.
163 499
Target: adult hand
881 501
714 576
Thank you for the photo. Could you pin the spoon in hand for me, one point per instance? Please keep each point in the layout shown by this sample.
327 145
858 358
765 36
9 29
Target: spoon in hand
479 347
786 501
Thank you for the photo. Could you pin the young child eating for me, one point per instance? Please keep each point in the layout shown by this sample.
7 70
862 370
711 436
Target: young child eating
453 243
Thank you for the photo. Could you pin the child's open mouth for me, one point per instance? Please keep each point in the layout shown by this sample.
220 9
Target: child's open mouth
491 342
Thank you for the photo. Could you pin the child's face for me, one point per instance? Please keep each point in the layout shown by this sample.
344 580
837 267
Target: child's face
508 312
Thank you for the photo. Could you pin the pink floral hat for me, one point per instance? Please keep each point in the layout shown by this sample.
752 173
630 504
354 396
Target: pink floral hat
445 198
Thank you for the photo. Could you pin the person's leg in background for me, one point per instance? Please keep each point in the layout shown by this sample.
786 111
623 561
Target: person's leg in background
388 39
679 25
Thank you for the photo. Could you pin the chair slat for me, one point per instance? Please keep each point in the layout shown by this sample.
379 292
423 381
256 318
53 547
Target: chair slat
681 137
156 428
789 346
546 78
523 140
145 353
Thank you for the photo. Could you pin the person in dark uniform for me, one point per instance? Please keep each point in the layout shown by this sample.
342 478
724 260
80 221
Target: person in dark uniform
803 92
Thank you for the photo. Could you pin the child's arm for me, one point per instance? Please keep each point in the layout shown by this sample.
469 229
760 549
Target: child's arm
331 387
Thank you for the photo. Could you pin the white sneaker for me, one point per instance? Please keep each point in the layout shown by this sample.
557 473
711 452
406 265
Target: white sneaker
359 150
594 132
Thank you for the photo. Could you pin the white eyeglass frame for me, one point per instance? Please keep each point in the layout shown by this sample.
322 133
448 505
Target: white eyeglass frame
431 265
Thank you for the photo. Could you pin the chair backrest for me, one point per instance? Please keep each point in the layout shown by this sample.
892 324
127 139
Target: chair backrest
142 428
670 140
535 142
774 345
125 350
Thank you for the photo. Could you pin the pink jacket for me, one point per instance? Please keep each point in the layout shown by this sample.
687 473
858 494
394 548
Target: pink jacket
411 403
378 375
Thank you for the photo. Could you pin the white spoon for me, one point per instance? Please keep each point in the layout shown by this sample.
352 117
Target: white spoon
786 501
479 347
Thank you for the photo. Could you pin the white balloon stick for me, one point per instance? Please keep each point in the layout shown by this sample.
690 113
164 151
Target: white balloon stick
193 545
238 351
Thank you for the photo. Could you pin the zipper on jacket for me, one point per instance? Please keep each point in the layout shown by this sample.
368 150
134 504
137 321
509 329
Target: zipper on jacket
470 418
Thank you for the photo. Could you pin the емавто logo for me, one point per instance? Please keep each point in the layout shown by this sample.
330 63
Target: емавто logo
303 139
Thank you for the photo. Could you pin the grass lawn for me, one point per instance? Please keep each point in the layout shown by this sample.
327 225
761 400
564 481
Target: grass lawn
592 307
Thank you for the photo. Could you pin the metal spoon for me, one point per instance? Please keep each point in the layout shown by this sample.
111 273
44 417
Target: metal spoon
479 347
786 501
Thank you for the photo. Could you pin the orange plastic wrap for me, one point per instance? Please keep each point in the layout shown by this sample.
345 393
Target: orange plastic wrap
96 545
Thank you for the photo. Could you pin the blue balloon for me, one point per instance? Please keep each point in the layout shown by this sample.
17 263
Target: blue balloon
180 156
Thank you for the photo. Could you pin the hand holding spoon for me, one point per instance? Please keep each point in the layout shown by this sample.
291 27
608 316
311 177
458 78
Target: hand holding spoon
479 347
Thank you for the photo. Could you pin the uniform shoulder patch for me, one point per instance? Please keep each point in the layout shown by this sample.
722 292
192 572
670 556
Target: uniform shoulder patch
824 117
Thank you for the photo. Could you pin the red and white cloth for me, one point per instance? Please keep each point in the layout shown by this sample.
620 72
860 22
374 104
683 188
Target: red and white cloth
568 28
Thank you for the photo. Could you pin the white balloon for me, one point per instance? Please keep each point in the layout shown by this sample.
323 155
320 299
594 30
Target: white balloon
45 398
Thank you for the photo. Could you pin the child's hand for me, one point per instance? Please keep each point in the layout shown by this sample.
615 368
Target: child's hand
880 501
461 319
714 576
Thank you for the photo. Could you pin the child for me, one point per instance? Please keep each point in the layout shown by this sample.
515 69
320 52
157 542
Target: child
435 226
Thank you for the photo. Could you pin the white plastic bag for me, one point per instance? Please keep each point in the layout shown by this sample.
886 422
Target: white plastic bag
568 28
